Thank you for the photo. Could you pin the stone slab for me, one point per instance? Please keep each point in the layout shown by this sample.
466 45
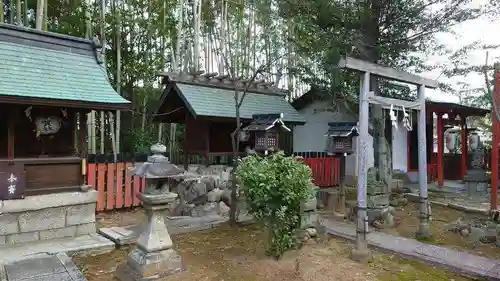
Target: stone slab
53 200
42 267
92 244
465 206
457 261
178 225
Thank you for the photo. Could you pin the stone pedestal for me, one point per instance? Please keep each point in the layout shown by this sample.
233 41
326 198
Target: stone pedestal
378 198
153 257
476 181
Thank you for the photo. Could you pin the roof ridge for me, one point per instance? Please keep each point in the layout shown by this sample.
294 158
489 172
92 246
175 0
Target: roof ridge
28 37
44 33
228 87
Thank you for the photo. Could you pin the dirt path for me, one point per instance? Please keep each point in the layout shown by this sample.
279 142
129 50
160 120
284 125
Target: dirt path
239 254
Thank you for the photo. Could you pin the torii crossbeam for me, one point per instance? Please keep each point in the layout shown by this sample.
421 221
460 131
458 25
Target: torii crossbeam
361 251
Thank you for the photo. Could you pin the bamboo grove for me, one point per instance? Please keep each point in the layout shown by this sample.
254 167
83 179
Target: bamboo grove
143 37
302 39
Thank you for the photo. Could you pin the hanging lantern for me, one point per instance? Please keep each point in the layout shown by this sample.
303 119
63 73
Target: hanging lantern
451 141
48 125
473 141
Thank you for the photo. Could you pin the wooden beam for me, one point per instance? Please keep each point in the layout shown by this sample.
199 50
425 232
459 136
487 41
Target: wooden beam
463 147
387 102
209 75
386 72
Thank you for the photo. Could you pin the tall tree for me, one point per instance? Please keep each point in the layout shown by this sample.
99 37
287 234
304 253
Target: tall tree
393 33
388 32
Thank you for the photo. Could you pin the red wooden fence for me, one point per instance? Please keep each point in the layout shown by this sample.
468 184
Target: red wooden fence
116 188
325 170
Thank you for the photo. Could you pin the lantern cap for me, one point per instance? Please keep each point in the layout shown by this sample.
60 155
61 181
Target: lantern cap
342 129
265 122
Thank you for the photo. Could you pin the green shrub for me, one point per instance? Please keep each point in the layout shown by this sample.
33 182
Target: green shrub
274 187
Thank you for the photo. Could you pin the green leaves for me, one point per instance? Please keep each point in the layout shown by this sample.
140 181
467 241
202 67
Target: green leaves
275 187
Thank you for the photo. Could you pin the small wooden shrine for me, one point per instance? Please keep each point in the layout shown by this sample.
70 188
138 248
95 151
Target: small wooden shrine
266 130
340 137
205 104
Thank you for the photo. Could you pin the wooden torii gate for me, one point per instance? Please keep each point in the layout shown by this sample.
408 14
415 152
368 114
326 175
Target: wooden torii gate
361 251
495 130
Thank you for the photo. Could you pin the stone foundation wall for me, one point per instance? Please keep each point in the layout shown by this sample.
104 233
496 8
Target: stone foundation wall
46 217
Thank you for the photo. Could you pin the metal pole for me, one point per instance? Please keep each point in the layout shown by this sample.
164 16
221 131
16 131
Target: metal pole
423 226
361 252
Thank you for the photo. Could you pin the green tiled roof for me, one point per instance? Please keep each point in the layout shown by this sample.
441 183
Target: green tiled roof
215 102
29 71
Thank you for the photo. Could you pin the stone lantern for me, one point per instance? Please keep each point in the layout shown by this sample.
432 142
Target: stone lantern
153 256
265 129
476 179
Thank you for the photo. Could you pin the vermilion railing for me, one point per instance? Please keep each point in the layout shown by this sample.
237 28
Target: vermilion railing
325 170
116 188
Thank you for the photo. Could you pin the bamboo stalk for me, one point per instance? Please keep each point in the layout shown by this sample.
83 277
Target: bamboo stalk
26 21
112 130
45 15
1 13
18 12
39 14
102 128
94 144
179 43
11 11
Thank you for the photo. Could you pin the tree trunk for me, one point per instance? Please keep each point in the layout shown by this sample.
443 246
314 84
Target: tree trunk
381 149
236 147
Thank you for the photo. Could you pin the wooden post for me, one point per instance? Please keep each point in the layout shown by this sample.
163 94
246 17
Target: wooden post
496 139
10 133
494 162
207 143
82 134
431 149
440 139
463 144
186 155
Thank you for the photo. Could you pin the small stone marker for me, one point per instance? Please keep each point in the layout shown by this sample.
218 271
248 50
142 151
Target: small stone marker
153 257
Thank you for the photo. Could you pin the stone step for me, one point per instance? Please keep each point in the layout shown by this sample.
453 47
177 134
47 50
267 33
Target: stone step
176 225
43 267
92 244
461 262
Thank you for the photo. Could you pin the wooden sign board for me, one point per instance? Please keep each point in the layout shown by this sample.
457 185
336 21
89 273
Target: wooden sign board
12 181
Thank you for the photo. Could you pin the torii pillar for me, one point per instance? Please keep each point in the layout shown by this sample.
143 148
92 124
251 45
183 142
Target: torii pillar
361 252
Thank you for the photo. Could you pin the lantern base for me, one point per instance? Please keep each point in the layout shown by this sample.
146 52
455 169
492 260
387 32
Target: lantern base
476 181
